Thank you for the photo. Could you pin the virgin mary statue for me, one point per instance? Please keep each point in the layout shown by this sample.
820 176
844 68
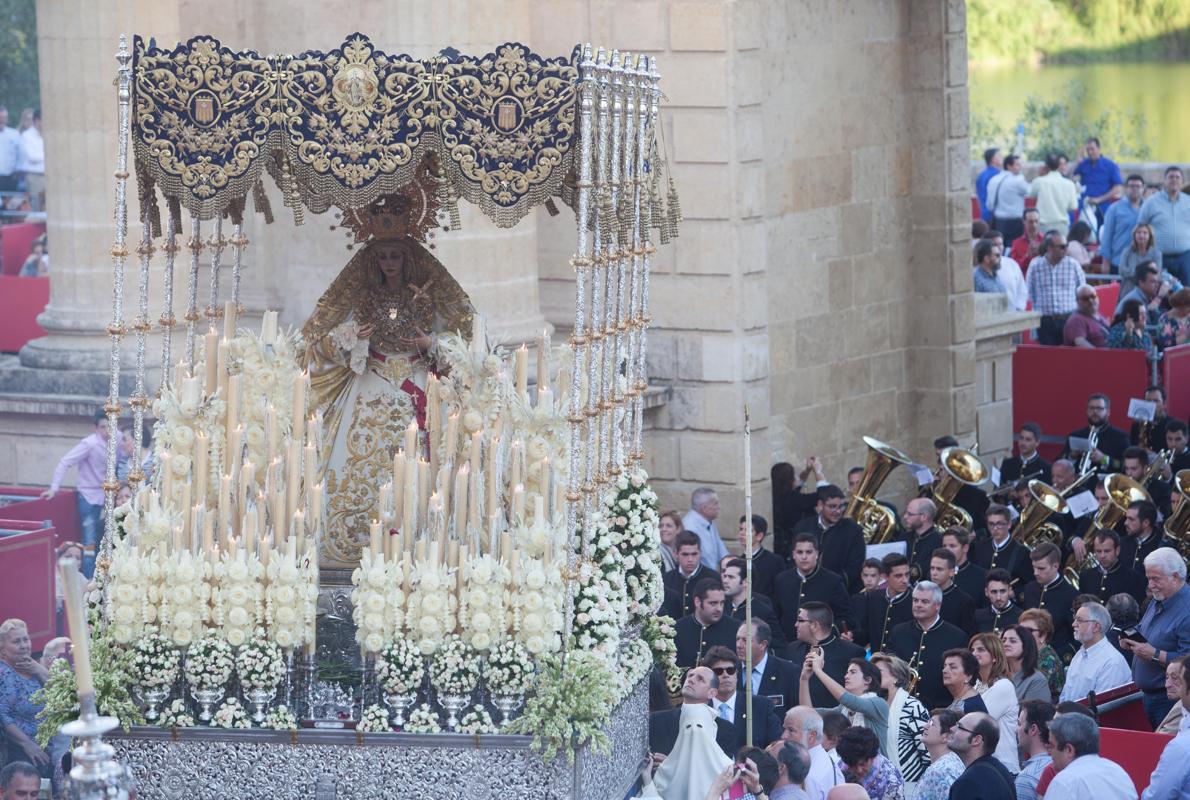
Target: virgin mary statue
370 346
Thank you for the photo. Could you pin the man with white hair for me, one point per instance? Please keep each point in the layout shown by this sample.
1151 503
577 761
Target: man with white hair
1097 666
700 519
1081 771
803 725
1165 627
922 641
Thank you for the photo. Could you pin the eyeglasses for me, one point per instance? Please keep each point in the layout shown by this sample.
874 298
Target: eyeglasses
997 524
1057 246
1078 622
723 670
801 621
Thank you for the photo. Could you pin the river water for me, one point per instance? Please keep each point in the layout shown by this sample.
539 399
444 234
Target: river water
1159 92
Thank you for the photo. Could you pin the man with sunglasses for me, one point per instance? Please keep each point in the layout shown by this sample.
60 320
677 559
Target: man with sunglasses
731 705
974 739
1053 281
816 628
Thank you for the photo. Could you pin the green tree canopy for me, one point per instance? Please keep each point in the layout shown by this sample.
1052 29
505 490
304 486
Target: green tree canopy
19 87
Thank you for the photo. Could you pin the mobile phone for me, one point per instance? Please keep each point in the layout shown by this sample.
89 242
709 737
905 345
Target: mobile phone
1133 635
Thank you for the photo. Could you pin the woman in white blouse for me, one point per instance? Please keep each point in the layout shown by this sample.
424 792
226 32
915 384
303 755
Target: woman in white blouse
907 718
999 695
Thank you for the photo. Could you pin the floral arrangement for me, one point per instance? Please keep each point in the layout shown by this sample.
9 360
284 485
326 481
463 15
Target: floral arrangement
456 668
179 420
477 720
112 676
268 376
281 719
238 601
636 662
374 720
659 632
400 668
378 602
133 580
209 662
185 595
431 606
231 715
260 664
537 603
291 598
475 386
423 719
150 526
572 702
631 510
176 715
155 661
482 610
509 669
600 602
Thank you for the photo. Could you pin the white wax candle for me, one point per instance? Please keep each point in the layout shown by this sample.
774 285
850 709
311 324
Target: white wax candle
522 371
460 500
301 386
80 637
411 437
229 320
211 360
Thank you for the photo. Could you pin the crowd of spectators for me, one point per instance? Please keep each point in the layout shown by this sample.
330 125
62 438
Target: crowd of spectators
22 163
962 664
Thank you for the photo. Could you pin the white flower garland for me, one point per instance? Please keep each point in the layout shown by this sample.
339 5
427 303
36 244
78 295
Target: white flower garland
659 632
430 617
509 669
537 602
291 598
600 603
477 720
178 423
400 668
268 377
132 586
631 509
423 719
456 668
378 602
209 662
281 719
483 616
636 661
176 715
239 597
185 595
231 715
260 664
155 661
374 720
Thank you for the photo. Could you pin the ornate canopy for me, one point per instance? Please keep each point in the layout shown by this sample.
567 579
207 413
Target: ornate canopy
347 126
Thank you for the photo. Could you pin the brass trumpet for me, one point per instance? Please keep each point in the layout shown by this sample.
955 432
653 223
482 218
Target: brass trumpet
1122 492
959 468
1032 528
876 521
1177 527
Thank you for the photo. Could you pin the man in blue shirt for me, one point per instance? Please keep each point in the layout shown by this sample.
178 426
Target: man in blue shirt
1100 177
1115 237
1165 627
1171 779
993 160
1168 213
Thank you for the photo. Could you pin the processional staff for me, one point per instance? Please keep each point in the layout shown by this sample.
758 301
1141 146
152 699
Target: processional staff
748 573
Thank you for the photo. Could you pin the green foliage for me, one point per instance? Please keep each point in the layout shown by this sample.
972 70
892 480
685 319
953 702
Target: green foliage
18 57
111 671
572 700
1077 30
1061 126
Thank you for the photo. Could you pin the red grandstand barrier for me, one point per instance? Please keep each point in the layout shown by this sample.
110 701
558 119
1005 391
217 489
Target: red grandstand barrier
1050 386
25 503
1175 377
27 577
1109 295
15 243
21 300
1136 751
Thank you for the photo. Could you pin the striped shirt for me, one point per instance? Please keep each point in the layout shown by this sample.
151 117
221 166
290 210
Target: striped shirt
1052 287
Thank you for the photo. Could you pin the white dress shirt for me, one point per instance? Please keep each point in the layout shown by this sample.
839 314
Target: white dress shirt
1091 776
712 547
824 774
1013 278
32 152
10 151
1099 668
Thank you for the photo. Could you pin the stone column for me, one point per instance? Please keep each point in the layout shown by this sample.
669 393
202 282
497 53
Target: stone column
997 331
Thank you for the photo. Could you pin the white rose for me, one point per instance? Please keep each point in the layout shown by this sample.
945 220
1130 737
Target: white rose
429 581
182 636
126 593
472 421
255 437
536 644
536 449
532 601
180 466
125 615
288 573
481 641
481 572
181 439
535 579
481 621
374 603
374 642
431 604
237 572
286 615
236 637
184 619
533 623
428 627
284 595
478 598
122 633
376 576
283 637
374 621
237 617
238 595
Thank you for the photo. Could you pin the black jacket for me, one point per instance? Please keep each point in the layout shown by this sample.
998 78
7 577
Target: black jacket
1133 555
779 682
1155 441
972 579
988 620
684 587
878 619
923 651
957 609
766 566
841 548
788 510
1013 557
761 609
1012 469
663 732
985 779
693 640
920 550
1056 598
821 585
836 653
766 725
1112 443
1116 580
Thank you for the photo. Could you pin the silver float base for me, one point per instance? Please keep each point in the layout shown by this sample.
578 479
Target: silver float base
215 764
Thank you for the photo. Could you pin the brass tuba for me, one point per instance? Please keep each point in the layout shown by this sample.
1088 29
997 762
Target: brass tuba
1122 492
1032 528
876 521
959 468
1177 527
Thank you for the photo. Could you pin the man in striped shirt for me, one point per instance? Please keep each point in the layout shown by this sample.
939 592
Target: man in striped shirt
1053 281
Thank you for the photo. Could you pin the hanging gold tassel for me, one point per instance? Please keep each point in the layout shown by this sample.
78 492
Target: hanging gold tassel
289 191
260 202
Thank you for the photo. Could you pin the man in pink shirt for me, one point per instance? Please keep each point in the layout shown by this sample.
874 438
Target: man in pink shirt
90 456
1085 327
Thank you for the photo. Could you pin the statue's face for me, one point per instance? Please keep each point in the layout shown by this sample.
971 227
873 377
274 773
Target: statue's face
390 257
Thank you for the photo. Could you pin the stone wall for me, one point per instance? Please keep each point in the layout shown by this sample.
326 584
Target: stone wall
822 276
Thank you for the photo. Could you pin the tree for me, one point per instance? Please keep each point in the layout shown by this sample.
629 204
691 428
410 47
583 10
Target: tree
19 87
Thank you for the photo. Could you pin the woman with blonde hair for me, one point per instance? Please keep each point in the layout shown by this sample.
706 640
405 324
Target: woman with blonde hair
669 525
20 676
999 695
907 718
1039 622
1142 249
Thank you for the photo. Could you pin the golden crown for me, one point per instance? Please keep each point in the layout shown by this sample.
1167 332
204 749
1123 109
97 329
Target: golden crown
409 213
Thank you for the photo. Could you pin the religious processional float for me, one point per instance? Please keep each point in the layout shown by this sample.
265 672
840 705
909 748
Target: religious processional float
490 546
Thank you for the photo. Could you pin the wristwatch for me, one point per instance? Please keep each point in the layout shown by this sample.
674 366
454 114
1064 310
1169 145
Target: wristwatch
1156 657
